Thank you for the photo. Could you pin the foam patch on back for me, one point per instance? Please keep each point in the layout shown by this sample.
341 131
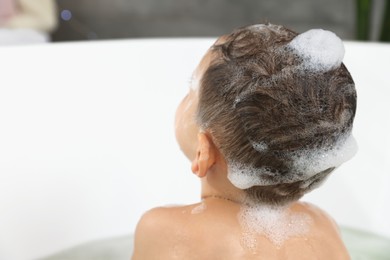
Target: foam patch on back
321 50
278 224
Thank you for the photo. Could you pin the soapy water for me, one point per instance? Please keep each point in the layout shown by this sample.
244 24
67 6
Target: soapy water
320 50
306 164
278 224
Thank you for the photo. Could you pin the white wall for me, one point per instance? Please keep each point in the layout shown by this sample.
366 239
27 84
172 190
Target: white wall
87 142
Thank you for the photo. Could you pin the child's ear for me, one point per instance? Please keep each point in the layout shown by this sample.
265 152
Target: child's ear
205 155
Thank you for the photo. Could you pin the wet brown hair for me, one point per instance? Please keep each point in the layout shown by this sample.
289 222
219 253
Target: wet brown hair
252 93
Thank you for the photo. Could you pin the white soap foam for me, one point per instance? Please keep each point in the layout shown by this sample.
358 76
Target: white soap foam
244 177
317 160
199 208
257 27
248 240
260 146
307 162
269 26
194 82
321 50
276 223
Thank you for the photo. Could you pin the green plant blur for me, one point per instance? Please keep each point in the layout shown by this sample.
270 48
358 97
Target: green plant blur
385 33
363 21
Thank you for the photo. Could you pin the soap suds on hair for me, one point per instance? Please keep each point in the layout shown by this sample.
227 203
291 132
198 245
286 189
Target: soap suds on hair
312 162
269 26
260 146
306 163
244 177
276 223
320 50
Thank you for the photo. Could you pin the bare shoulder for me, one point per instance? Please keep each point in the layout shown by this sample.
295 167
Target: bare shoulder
324 232
167 231
320 217
153 217
154 232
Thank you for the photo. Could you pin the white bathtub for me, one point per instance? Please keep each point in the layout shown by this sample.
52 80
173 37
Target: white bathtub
87 142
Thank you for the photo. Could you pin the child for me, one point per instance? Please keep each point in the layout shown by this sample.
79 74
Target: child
267 118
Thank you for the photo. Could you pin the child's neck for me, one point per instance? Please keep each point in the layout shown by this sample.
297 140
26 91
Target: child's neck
216 185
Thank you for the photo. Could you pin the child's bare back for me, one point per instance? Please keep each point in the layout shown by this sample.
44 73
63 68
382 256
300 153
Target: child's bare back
212 230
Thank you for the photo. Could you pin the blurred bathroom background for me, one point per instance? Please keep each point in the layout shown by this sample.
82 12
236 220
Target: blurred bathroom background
75 20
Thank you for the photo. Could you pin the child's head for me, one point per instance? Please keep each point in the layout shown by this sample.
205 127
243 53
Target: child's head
279 108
